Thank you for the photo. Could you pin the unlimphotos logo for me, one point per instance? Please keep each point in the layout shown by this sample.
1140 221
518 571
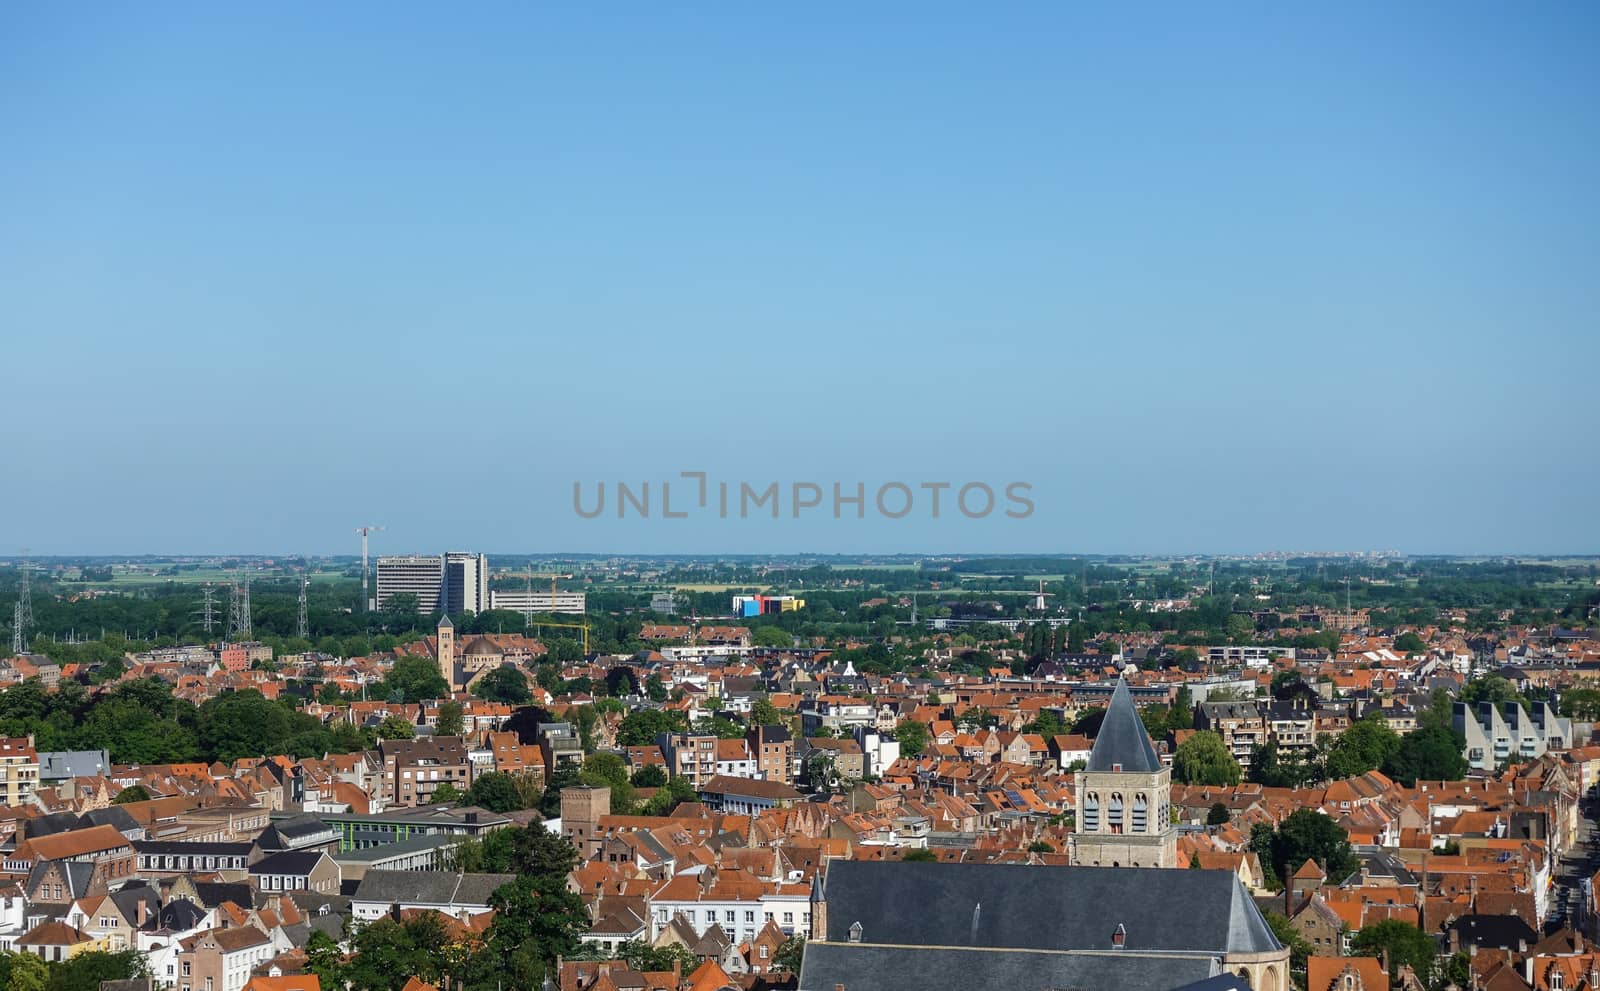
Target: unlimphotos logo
697 494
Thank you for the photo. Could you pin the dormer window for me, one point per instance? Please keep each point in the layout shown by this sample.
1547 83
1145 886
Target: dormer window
1119 936
855 932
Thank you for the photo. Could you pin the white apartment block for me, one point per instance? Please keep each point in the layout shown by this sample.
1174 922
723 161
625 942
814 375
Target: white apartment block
523 600
1496 735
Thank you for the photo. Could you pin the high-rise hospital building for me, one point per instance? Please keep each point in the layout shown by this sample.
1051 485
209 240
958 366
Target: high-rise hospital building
453 582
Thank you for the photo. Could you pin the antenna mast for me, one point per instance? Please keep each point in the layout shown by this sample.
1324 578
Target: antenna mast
302 628
364 530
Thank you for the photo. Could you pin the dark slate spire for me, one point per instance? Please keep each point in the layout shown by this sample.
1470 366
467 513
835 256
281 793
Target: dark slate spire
1122 744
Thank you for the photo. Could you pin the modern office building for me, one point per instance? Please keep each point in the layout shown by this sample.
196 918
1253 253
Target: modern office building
765 605
536 601
454 582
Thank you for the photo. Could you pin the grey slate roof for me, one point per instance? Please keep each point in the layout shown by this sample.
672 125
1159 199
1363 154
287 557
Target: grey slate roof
290 863
1122 739
214 893
1028 907
181 915
429 887
116 816
889 968
57 765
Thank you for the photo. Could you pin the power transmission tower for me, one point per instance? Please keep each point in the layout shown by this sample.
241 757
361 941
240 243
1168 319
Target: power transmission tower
22 615
239 611
302 628
208 599
25 597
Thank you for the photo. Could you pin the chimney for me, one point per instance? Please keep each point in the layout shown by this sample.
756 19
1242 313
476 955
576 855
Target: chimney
1386 960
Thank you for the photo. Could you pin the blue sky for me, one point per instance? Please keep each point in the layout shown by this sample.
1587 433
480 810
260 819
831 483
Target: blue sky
1209 278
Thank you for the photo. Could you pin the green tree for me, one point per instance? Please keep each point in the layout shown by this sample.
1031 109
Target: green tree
132 793
605 770
504 684
445 792
722 729
1430 753
414 679
1410 643
639 729
771 636
649 776
791 953
85 971
1367 745
666 799
246 724
1404 943
502 791
325 959
764 713
451 720
1492 688
1218 814
26 972
655 688
536 920
1046 724
642 957
920 857
396 728
1306 834
913 737
1203 759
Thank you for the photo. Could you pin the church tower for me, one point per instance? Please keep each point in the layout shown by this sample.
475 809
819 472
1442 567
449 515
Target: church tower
447 651
1124 796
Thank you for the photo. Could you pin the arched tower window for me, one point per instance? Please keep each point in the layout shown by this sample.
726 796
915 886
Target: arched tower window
1141 814
1091 813
1114 813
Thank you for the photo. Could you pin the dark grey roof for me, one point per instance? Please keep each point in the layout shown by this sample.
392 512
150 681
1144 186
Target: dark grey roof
1029 907
51 824
1505 932
288 862
181 848
1122 743
116 816
214 893
893 968
128 897
429 887
181 915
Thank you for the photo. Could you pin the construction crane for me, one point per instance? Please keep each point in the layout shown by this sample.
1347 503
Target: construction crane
527 613
364 530
538 629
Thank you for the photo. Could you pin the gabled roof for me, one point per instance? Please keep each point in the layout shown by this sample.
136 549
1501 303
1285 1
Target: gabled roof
1122 743
429 887
982 906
